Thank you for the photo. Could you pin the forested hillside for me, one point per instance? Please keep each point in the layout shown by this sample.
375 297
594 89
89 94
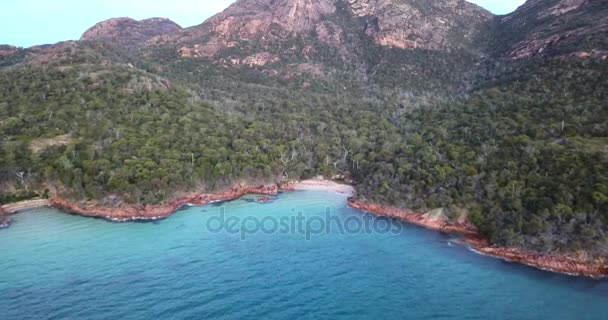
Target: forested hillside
518 146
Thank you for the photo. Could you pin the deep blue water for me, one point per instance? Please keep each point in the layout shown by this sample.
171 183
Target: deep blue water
59 266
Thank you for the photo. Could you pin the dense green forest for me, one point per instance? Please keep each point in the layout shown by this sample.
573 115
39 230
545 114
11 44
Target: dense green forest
524 154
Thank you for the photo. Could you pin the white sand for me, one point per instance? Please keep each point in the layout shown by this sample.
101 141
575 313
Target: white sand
25 205
325 185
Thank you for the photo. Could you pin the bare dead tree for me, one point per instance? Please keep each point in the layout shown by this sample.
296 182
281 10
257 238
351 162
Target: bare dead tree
346 153
22 176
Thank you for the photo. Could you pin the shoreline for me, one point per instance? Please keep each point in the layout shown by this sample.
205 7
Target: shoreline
16 207
471 238
476 242
129 213
158 212
324 185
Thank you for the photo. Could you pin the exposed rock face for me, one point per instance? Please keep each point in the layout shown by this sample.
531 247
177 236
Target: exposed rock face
260 59
544 9
394 23
247 19
262 20
130 33
556 27
420 24
6 51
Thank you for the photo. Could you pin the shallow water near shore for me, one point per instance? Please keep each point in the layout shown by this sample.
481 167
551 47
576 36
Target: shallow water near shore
56 266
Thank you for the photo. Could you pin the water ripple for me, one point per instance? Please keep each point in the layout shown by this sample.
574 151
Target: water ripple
58 266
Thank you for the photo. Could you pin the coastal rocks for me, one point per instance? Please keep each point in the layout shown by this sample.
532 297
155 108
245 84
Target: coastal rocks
5 223
437 221
434 220
158 212
265 199
596 268
288 186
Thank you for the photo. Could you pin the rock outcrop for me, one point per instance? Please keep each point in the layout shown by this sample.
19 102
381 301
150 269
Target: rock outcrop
260 20
428 221
6 51
421 24
4 221
412 24
554 28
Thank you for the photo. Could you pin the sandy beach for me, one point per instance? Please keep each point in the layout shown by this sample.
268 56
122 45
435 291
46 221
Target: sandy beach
325 185
15 207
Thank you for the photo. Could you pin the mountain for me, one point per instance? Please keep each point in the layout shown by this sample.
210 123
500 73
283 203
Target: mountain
129 33
553 27
423 104
398 24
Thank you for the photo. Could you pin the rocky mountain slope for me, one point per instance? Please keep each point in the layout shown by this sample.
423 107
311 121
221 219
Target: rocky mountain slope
426 45
398 24
129 33
553 28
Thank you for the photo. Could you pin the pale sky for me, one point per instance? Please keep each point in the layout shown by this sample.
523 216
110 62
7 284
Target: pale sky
26 23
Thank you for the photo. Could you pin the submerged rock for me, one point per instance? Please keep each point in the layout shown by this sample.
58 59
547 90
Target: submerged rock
5 223
265 199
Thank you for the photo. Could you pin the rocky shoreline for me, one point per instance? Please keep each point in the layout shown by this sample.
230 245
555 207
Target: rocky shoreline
159 212
559 264
4 221
585 267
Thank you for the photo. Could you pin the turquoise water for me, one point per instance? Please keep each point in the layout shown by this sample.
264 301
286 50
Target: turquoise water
59 266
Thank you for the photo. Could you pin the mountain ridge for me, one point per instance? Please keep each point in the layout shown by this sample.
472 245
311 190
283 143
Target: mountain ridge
385 22
130 32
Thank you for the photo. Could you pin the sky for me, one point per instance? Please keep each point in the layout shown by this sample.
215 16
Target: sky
25 23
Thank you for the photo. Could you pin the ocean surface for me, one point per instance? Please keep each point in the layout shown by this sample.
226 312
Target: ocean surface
279 260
